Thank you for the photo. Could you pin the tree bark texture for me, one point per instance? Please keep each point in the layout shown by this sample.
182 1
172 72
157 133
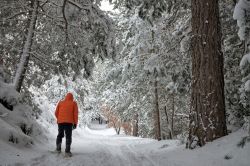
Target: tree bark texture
24 60
207 114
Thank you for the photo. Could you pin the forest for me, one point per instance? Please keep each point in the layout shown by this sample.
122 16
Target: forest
155 78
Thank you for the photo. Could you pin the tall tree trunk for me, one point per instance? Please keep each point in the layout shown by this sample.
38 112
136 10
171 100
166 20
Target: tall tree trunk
172 118
207 114
22 67
157 110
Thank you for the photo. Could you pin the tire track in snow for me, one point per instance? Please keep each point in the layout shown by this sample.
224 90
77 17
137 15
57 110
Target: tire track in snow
126 153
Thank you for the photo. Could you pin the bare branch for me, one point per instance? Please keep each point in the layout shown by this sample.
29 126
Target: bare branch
24 6
55 4
182 115
13 16
65 19
78 5
39 57
44 3
49 16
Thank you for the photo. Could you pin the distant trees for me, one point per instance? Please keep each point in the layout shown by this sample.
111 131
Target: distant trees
128 126
149 59
113 120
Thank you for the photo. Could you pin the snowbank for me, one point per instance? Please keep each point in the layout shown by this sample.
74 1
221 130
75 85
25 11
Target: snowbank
221 152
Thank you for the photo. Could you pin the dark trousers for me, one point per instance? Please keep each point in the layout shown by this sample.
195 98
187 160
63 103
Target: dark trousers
67 129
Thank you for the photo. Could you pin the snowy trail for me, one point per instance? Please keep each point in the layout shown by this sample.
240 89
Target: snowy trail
93 147
99 146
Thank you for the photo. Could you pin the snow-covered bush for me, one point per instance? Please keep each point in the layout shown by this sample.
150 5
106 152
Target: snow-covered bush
9 94
18 126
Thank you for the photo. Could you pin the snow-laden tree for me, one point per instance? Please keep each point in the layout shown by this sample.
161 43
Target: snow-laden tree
127 79
71 32
147 62
232 50
242 15
175 34
12 27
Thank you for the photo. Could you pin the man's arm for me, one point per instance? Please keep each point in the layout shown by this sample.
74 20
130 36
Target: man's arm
75 113
57 110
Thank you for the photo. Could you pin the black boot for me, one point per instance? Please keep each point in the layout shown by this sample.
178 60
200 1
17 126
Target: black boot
67 151
58 148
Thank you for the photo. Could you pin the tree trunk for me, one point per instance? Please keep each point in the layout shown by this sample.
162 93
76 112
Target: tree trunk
207 114
172 118
249 126
22 67
157 111
1 68
166 113
118 130
135 126
1 61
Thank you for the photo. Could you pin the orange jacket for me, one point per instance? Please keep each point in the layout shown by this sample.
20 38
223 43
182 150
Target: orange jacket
67 110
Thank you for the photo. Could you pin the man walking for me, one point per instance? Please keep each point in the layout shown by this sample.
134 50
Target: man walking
67 119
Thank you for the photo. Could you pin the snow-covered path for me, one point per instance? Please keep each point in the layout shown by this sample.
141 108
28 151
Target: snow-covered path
91 147
95 149
100 146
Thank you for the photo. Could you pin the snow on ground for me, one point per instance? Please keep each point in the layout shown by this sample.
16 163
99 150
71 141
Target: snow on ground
213 154
97 145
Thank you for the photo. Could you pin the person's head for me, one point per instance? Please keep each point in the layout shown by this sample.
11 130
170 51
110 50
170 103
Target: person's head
69 96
